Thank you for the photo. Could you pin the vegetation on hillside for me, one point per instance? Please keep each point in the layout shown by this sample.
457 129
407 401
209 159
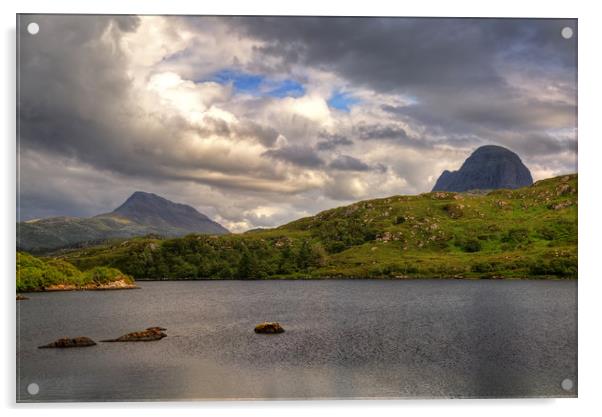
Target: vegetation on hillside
34 274
525 233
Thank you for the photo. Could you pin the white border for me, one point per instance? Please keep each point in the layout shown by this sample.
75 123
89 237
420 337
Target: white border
590 202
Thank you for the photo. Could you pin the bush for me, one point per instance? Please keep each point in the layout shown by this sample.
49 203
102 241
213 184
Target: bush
560 267
35 274
453 210
483 267
470 245
103 275
516 236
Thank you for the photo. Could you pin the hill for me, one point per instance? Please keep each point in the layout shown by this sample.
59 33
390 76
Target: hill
530 232
489 167
141 214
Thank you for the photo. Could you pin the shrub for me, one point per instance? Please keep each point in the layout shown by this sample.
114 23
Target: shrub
104 275
453 210
483 267
516 237
560 267
470 245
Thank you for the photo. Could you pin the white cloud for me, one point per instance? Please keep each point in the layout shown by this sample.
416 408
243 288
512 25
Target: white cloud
136 109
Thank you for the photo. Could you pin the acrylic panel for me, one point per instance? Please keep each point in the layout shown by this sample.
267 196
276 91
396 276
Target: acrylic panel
264 207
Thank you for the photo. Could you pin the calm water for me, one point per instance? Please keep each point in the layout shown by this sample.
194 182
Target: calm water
343 339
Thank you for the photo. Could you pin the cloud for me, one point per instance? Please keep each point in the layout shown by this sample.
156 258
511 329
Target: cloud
257 121
332 141
348 163
299 155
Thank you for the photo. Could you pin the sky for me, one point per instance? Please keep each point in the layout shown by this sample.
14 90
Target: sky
257 121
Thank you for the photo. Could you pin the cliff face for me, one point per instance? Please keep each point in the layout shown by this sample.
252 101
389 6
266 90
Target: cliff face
489 167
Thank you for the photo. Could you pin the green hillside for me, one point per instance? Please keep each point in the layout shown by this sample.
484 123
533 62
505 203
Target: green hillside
34 274
525 233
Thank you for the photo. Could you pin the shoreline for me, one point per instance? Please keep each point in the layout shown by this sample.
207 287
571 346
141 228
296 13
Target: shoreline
112 286
66 288
406 278
135 287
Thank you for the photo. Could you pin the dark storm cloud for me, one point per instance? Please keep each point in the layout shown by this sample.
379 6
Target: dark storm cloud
303 156
393 134
458 72
381 131
414 54
332 141
76 100
349 163
514 114
65 77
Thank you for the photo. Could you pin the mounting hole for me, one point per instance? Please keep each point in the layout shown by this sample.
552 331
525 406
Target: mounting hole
33 388
567 32
33 28
567 384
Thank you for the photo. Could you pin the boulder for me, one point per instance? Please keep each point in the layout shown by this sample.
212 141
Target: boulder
67 342
269 327
21 297
148 335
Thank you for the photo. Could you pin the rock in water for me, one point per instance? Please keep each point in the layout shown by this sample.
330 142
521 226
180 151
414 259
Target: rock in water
21 297
67 342
269 327
489 167
148 335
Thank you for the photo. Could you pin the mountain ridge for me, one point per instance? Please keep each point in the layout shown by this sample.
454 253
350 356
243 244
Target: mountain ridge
141 214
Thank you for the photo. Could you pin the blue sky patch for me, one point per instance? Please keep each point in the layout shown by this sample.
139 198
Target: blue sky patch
342 101
258 85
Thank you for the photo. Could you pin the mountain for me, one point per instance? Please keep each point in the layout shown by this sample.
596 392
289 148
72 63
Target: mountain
524 233
489 167
141 214
152 210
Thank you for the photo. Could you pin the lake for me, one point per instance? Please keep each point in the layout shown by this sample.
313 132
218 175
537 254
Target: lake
343 339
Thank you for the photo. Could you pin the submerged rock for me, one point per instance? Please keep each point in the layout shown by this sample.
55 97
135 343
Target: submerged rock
67 342
269 327
148 335
21 297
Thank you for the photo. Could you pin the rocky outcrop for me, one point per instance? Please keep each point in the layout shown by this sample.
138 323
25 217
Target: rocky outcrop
67 342
148 335
269 328
489 167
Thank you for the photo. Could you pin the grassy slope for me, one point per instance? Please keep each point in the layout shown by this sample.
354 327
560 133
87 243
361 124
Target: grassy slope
529 232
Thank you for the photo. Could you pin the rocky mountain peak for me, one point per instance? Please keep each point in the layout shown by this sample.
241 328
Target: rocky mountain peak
488 167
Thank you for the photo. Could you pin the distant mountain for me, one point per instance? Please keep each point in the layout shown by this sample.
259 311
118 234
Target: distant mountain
489 167
141 214
151 210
